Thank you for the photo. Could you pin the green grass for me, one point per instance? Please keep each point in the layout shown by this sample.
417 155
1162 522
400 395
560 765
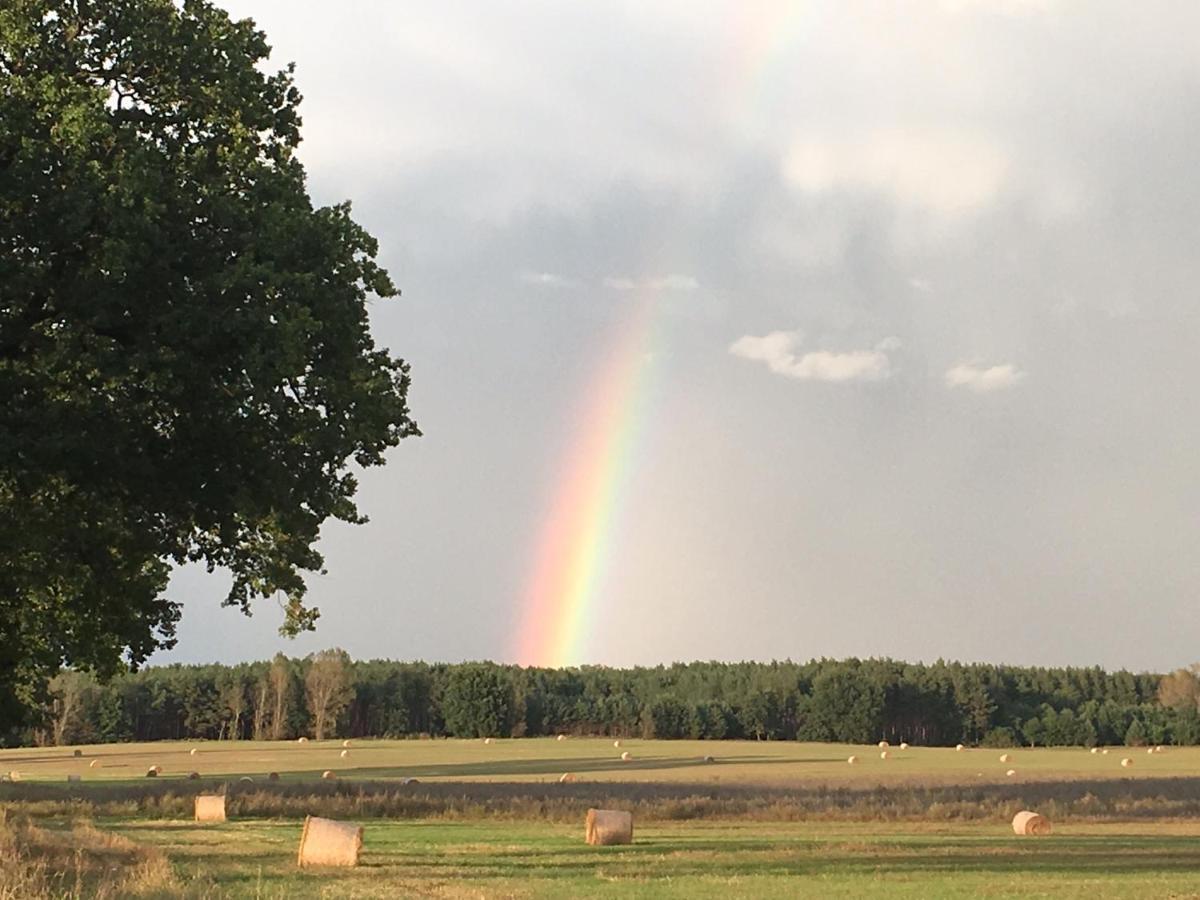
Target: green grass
694 860
492 820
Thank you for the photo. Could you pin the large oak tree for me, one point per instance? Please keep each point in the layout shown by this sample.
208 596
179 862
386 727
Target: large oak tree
186 370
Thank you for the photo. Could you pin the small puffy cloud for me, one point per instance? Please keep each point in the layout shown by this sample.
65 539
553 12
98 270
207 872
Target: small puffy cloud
545 279
778 351
983 379
671 282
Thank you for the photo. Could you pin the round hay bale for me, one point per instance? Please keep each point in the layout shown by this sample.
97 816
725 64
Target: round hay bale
1011 773
1030 823
344 754
1158 749
328 775
883 744
960 748
1095 750
94 764
709 759
152 772
210 808
903 745
566 778
77 754
193 752
1004 757
325 842
245 779
626 756
488 741
853 760
1127 763
616 743
301 740
193 776
272 776
346 743
409 781
1104 752
883 754
561 737
1149 749
608 826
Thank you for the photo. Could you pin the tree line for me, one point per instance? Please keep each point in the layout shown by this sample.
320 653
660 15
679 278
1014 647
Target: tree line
329 695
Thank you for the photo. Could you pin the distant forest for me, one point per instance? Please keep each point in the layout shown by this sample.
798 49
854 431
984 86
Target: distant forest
855 701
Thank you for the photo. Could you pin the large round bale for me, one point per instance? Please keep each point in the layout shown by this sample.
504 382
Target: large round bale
883 754
959 747
883 745
1104 752
344 754
1095 750
608 826
325 842
1011 773
94 764
1004 757
710 759
301 740
210 807
566 778
1030 823
1127 763
346 743
903 745
626 756
327 775
1149 749
245 779
853 760
561 737
616 743
1158 749
193 776
153 771
193 752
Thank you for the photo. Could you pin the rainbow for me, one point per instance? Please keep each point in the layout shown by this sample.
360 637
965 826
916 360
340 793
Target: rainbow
578 533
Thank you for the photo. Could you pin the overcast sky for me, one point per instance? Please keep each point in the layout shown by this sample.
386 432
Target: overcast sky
924 346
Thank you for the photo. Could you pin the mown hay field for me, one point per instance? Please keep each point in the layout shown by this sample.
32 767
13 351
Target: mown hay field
545 760
493 820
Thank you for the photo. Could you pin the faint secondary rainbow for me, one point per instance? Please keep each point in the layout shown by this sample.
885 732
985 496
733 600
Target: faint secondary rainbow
578 532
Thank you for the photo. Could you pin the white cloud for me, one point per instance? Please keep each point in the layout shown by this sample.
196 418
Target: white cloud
778 351
1001 7
983 380
946 172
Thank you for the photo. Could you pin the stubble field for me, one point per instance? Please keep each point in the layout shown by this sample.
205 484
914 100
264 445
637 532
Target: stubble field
452 818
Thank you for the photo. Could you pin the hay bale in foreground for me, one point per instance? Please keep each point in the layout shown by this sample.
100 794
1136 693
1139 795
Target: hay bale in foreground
561 737
488 741
616 743
608 826
193 752
1095 750
346 743
301 740
960 748
325 842
566 778
1026 823
1011 773
883 745
210 807
1149 749
1126 763
626 756
344 754
409 781
328 775
883 754
853 760
1004 757
94 764
245 779
903 745
152 772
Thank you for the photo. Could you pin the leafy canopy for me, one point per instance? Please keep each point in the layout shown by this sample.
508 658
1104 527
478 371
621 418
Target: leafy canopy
186 370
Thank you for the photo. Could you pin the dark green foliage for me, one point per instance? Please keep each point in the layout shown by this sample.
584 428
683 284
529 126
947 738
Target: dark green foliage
851 700
478 701
186 369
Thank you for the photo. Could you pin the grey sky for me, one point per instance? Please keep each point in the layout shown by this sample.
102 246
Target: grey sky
926 322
